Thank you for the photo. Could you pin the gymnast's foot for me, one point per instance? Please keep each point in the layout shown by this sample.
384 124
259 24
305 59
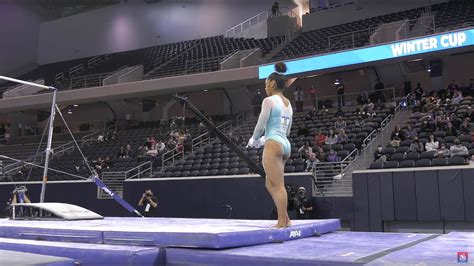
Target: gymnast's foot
283 225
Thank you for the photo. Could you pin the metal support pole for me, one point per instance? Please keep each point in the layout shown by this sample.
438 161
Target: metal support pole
48 147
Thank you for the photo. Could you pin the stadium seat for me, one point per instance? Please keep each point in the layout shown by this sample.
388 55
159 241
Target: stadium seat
439 162
457 161
407 163
423 163
376 165
391 164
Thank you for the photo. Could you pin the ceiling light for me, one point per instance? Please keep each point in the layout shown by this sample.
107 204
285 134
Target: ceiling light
69 112
76 105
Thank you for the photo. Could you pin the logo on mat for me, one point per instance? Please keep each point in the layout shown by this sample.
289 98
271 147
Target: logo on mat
108 191
295 233
463 257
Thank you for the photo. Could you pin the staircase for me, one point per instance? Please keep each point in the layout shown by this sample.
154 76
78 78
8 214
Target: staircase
341 186
114 181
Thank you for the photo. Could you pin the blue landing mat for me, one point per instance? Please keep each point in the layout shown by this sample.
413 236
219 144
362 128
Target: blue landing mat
197 233
11 258
87 254
438 251
339 248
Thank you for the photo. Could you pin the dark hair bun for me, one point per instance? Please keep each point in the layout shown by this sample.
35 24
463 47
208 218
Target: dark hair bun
280 67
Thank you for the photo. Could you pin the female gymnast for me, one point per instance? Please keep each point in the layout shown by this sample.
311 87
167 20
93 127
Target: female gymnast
275 120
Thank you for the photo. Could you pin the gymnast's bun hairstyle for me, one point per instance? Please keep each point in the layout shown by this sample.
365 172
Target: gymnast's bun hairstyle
278 76
280 67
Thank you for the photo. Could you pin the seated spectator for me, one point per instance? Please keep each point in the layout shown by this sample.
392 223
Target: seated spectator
416 146
311 162
369 106
332 156
360 122
465 127
458 150
397 136
311 114
303 131
147 143
410 133
121 153
379 156
113 137
332 138
427 127
457 97
443 152
342 137
305 150
324 111
432 144
106 164
451 131
141 152
320 138
160 147
320 154
340 123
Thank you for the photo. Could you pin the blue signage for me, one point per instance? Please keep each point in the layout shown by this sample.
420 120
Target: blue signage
376 53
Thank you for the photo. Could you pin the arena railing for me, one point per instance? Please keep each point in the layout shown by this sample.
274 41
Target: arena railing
239 28
143 170
427 24
94 80
93 136
331 174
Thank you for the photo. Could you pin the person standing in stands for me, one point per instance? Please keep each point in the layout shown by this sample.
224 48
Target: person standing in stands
299 96
275 122
379 87
312 95
452 87
418 92
340 94
407 87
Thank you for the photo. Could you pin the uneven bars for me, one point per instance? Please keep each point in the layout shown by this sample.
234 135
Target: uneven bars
27 83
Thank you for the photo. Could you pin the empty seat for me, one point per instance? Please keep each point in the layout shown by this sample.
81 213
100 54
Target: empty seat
391 164
407 163
427 155
289 169
397 157
423 163
439 162
412 156
457 161
376 165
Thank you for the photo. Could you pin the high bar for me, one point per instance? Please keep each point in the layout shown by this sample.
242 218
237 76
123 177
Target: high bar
27 83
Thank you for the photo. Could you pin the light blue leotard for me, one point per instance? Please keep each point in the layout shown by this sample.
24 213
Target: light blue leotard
275 120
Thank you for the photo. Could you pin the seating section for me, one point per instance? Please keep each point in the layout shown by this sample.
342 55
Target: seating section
406 155
453 15
317 41
207 53
218 159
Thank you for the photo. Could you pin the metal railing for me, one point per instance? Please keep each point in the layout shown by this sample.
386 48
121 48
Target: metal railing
239 28
348 40
96 60
326 173
202 65
93 136
75 70
87 81
143 170
239 119
59 77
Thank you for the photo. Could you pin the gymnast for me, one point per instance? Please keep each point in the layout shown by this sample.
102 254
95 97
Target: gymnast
275 120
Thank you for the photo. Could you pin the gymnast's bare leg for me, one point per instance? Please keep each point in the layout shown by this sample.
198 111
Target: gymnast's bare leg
274 164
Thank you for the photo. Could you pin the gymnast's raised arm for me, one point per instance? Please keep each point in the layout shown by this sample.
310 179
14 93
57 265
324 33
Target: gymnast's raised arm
263 118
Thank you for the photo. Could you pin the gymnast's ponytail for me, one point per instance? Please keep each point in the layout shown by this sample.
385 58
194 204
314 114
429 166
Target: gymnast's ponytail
279 75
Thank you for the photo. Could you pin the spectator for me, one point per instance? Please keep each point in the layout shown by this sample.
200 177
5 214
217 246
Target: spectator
299 97
148 143
114 136
256 103
416 146
141 152
410 133
418 92
332 156
457 97
305 150
121 153
128 151
458 150
324 111
311 114
451 131
465 127
442 152
320 138
379 87
361 99
340 93
321 155
368 107
342 138
432 144
407 87
360 122
312 95
311 162
332 138
379 156
340 123
106 164
276 9
160 147
397 136
427 127
452 87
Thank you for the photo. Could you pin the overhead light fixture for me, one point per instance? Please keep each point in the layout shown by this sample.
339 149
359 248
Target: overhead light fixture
416 60
69 112
429 69
337 82
205 90
76 105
